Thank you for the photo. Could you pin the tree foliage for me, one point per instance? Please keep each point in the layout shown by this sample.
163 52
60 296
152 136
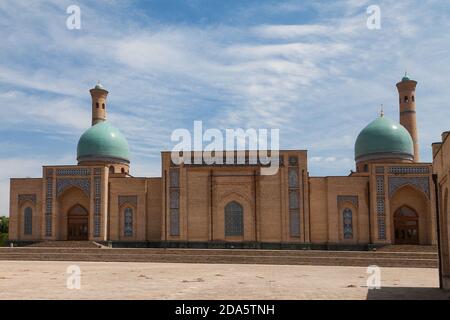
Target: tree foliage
4 223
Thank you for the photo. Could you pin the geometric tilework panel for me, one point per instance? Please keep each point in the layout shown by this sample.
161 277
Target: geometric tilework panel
62 184
422 183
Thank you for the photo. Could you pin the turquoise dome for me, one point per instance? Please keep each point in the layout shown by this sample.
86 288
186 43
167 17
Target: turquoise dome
103 142
384 137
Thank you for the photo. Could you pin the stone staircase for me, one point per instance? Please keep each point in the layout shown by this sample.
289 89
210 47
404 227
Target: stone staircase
408 248
386 257
65 244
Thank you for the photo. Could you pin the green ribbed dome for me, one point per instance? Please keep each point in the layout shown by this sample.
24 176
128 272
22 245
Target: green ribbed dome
384 136
103 141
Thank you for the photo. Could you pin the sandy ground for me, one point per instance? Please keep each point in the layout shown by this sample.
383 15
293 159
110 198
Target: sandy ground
122 280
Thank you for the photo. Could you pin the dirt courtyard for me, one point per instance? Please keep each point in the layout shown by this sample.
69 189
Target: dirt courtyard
122 280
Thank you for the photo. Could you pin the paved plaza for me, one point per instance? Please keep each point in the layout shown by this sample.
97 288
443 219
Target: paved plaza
122 280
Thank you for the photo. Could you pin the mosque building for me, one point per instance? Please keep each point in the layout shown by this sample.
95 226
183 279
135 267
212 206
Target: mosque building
387 200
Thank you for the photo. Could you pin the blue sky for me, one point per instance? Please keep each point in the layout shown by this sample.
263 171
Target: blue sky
310 68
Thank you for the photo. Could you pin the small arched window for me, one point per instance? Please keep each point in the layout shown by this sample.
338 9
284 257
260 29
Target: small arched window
111 169
123 170
348 223
406 99
413 99
28 221
366 168
103 106
234 219
128 222
97 105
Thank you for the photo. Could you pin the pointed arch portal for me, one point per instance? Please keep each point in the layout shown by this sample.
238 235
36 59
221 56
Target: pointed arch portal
406 224
77 224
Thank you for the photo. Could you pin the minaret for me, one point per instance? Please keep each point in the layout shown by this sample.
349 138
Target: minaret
407 99
98 94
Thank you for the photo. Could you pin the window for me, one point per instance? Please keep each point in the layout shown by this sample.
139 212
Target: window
28 221
234 219
123 170
103 106
174 178
294 223
111 169
128 222
293 177
97 105
294 198
348 223
174 198
366 168
413 98
406 99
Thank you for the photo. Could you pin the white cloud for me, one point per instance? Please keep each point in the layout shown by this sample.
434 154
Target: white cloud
291 31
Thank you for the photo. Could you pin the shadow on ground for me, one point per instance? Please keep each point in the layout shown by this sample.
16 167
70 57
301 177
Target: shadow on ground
407 293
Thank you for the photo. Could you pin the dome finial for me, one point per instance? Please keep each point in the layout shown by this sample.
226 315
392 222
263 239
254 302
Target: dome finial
381 111
406 77
99 85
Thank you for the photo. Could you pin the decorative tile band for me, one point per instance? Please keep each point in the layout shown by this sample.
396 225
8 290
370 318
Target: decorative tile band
97 206
73 172
49 207
381 210
63 183
381 228
380 185
409 170
421 183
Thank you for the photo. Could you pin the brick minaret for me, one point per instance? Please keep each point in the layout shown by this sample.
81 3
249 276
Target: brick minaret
407 98
98 94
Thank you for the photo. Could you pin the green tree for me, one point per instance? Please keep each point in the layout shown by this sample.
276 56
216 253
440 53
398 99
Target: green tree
4 222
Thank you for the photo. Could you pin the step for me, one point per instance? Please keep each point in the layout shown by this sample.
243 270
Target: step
408 248
276 257
231 252
175 258
65 244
